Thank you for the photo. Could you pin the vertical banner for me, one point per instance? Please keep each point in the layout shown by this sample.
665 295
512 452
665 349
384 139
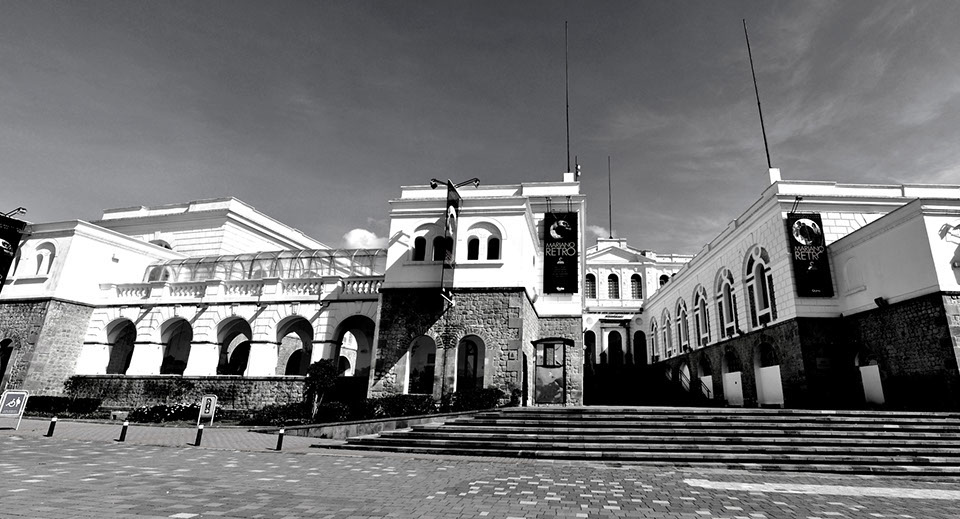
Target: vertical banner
10 233
450 228
808 253
560 254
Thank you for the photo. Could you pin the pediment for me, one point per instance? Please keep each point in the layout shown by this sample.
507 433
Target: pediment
616 255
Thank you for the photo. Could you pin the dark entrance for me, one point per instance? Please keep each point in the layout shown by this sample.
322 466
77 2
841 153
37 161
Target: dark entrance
550 371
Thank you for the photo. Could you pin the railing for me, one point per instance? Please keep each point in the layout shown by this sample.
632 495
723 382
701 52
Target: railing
685 383
362 286
263 290
192 290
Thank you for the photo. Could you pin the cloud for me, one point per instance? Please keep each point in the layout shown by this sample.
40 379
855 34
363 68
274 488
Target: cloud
598 231
363 239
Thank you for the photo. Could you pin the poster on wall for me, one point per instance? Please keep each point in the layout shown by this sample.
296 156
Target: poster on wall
808 252
10 233
560 255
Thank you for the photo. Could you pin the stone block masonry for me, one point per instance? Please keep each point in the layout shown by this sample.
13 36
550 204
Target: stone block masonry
503 319
47 336
233 392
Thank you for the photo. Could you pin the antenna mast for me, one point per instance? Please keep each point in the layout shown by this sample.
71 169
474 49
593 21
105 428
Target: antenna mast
610 197
766 147
566 86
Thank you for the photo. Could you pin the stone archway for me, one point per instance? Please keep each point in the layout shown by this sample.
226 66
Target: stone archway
766 369
121 336
294 337
471 356
176 335
732 379
233 337
354 340
421 360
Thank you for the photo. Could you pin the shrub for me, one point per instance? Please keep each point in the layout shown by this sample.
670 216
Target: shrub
329 412
471 400
165 413
59 405
398 405
297 413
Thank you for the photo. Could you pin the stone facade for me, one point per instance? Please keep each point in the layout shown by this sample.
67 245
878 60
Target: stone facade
503 319
47 336
915 345
233 392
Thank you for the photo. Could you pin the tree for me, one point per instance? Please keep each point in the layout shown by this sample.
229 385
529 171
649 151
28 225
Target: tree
321 378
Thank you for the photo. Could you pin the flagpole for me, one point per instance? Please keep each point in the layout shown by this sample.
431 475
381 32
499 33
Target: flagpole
610 196
763 129
566 87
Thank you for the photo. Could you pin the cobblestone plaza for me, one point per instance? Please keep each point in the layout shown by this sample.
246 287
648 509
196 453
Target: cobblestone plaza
83 472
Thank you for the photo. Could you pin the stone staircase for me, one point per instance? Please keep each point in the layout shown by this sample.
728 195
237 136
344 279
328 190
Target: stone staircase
917 443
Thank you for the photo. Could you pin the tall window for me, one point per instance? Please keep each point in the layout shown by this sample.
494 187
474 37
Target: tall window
438 251
726 304
636 287
663 279
759 284
493 248
590 287
665 331
683 327
473 249
701 317
654 341
419 248
613 286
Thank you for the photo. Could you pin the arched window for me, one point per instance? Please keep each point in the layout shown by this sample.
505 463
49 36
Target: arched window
493 248
726 304
419 248
590 286
654 341
636 287
683 327
159 274
162 243
473 248
701 317
438 248
45 255
759 285
613 286
665 331
663 279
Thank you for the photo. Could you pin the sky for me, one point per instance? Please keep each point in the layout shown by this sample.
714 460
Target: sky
317 112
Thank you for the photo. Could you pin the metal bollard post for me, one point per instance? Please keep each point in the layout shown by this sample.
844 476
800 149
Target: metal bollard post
53 425
199 435
123 432
280 438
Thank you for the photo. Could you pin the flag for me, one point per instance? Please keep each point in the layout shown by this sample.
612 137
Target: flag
11 231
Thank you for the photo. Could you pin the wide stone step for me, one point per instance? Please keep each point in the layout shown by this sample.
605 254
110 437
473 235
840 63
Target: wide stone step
599 411
697 431
876 440
698 424
884 452
684 418
848 464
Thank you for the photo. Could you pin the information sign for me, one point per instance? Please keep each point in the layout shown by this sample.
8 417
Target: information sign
12 405
208 407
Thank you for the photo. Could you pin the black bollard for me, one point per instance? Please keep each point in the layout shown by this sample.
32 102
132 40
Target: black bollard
280 439
123 432
53 425
199 435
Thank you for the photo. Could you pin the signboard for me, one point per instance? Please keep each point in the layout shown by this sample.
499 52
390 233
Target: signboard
12 405
208 407
560 255
808 253
10 233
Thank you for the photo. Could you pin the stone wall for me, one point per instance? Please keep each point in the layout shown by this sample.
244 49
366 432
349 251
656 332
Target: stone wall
233 392
47 336
20 322
915 345
568 328
504 319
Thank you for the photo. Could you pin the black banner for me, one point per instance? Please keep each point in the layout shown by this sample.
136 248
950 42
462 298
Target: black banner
560 253
808 252
450 226
10 233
